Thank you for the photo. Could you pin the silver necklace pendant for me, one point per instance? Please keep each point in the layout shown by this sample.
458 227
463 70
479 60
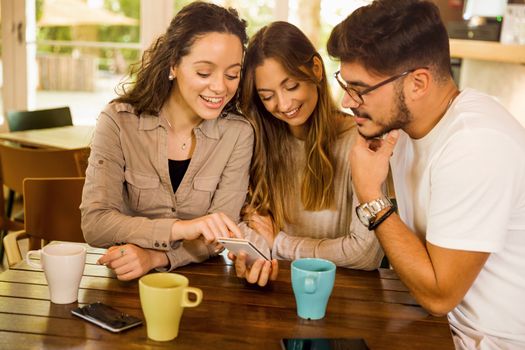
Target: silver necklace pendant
185 144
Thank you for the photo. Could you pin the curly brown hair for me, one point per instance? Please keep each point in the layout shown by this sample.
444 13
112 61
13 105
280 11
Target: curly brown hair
151 86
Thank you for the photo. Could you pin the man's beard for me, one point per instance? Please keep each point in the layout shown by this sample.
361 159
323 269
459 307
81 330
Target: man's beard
401 118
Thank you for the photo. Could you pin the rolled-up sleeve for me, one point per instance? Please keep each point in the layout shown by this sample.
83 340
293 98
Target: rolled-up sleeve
188 252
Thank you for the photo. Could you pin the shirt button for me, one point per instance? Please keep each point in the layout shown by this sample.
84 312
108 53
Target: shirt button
164 245
100 162
172 210
157 244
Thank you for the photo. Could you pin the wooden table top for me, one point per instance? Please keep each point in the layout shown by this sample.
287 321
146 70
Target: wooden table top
233 315
64 137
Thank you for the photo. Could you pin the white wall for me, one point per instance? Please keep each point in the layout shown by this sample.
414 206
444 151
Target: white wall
506 81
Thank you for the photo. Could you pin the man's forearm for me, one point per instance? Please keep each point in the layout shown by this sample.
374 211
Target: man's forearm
411 261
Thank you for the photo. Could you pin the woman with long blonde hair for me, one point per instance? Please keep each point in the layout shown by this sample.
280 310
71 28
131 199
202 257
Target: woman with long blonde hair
301 199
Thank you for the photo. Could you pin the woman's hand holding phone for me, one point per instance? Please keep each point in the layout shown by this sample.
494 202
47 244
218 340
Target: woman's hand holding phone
261 271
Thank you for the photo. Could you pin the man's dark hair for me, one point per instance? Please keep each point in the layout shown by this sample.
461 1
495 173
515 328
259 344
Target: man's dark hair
390 36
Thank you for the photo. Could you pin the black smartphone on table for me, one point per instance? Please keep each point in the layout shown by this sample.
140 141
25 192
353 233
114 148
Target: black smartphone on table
106 317
324 344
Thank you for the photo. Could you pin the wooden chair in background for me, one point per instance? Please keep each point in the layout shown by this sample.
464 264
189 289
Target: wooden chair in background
51 213
36 119
18 163
39 119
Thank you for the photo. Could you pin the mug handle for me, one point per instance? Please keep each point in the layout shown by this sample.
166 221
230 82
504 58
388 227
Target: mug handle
310 284
186 302
32 263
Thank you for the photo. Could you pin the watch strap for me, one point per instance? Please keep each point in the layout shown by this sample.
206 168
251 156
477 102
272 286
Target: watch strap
367 212
374 224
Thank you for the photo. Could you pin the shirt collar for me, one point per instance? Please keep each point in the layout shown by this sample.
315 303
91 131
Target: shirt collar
149 122
210 128
146 121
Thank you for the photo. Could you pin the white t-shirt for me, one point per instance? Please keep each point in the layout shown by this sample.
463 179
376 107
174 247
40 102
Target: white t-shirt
462 186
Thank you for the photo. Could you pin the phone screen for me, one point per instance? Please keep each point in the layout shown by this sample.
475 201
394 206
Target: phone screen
106 317
324 344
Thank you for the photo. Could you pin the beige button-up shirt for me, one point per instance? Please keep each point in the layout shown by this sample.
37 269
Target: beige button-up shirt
128 197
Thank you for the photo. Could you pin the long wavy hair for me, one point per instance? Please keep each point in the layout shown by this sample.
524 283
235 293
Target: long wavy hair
272 173
151 86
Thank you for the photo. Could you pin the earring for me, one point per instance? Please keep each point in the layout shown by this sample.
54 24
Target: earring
171 77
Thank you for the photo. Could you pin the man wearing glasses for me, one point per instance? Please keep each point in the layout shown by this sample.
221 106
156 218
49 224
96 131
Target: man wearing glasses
458 163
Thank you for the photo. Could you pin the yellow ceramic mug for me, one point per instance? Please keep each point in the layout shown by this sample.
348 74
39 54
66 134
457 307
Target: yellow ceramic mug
163 297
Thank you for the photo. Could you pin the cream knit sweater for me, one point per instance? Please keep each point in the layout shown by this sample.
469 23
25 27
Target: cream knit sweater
336 235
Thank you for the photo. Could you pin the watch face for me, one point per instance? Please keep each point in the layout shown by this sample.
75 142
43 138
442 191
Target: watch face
363 215
367 212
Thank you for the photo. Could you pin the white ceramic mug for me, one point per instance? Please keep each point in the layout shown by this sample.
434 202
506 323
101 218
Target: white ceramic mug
63 266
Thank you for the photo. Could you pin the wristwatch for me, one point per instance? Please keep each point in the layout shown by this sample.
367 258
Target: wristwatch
367 212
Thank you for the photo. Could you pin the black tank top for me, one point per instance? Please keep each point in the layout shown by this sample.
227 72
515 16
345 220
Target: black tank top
177 170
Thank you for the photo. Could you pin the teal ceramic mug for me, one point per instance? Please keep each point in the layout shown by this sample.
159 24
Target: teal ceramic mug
312 283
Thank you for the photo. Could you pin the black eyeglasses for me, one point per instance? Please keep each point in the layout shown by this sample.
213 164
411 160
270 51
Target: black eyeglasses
358 96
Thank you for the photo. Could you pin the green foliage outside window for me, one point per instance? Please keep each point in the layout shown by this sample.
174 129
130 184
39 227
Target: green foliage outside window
107 56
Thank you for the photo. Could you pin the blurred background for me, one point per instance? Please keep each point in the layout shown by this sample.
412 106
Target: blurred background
75 52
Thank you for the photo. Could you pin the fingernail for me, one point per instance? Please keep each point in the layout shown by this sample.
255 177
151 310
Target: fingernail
394 133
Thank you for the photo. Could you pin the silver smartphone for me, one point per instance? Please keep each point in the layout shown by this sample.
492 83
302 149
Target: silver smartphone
237 245
106 317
